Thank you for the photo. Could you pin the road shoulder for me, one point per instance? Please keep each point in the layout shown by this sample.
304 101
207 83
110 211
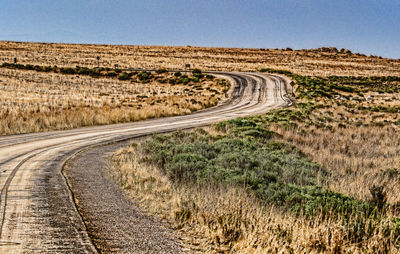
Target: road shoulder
114 222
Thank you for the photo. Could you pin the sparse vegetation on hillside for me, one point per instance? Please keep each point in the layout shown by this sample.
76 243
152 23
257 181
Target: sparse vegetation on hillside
314 62
327 102
143 76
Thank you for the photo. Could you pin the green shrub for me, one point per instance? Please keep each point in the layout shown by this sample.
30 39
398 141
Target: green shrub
111 74
274 171
67 71
184 79
29 67
144 76
160 71
344 88
378 195
269 70
172 81
196 72
47 69
83 71
123 76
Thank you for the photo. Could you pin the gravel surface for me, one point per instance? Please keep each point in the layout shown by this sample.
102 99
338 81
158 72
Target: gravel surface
114 222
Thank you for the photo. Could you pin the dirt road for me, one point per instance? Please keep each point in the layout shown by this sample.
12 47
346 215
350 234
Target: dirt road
37 209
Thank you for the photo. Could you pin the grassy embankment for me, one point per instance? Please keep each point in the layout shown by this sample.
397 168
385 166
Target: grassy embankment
322 176
40 98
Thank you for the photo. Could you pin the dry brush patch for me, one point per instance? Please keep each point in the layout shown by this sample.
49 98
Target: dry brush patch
218 216
359 158
350 126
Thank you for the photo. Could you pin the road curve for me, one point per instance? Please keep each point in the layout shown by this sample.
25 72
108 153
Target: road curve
37 210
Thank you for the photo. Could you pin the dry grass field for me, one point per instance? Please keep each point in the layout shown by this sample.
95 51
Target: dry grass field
35 101
32 101
320 62
320 177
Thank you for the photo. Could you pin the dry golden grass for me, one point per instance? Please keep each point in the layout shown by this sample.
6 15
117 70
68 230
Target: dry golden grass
217 219
33 101
358 157
305 62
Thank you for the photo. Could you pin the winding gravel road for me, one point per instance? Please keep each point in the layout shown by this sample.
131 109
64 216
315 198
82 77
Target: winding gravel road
38 209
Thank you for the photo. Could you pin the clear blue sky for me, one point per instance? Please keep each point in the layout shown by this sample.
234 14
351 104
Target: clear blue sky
365 26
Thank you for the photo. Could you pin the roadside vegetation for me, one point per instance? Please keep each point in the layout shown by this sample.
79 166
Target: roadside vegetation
319 177
41 98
